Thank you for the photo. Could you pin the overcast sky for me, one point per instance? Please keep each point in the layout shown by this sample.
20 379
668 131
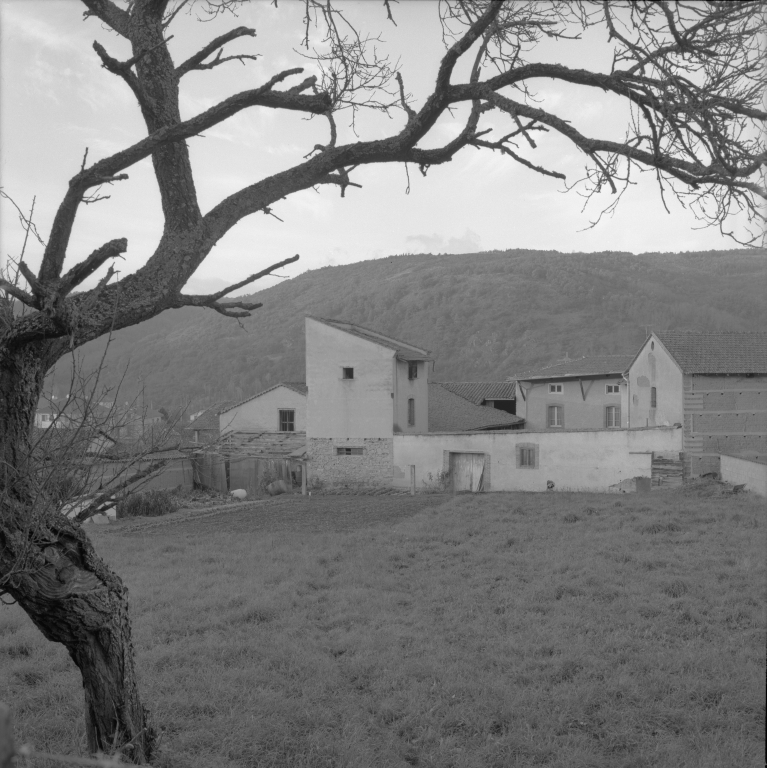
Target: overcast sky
56 101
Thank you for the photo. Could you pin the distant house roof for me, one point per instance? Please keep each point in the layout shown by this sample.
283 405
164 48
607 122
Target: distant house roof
261 444
602 365
449 412
717 351
478 392
403 350
208 419
297 386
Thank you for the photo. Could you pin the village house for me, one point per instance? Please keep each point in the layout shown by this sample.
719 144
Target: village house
364 387
280 408
203 426
714 383
588 393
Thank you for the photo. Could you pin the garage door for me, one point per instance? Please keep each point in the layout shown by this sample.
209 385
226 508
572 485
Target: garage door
467 469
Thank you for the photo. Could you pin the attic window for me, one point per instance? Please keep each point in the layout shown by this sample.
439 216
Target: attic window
347 373
348 451
612 389
412 370
555 389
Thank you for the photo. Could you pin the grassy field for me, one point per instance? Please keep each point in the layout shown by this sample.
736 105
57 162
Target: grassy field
566 630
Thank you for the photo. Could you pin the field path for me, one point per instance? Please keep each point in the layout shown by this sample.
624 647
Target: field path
287 513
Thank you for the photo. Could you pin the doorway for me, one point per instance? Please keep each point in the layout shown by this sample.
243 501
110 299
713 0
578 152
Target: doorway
467 471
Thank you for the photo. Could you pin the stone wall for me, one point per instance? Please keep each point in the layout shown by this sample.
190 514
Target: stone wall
372 468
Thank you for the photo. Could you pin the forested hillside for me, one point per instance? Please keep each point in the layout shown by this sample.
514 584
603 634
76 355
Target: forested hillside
485 316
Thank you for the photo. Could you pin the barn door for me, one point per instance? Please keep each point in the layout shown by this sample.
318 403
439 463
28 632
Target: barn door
467 469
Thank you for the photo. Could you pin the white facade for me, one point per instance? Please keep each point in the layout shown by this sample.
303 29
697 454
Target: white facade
655 377
263 412
358 388
588 460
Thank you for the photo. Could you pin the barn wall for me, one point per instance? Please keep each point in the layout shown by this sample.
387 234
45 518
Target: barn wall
588 460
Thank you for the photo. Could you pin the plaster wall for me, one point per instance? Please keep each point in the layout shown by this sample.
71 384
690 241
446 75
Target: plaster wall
654 367
751 473
362 407
586 460
263 412
404 389
579 412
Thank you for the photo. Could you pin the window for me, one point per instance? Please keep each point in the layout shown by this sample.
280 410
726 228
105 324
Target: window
527 456
612 389
46 417
555 389
412 371
348 451
287 420
613 416
411 412
347 373
556 416
653 397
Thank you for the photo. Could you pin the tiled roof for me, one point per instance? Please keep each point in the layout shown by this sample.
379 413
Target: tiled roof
208 419
449 412
297 386
478 391
602 365
717 352
404 350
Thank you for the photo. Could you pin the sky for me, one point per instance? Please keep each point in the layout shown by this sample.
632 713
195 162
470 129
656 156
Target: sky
56 101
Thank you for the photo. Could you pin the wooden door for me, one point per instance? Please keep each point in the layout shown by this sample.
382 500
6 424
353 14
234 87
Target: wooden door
467 469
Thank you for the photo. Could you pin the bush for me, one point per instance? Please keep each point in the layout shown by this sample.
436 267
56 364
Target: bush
147 504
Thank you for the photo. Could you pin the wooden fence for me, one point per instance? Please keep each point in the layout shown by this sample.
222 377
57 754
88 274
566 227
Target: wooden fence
229 473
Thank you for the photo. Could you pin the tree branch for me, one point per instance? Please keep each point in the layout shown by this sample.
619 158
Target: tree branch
195 61
18 293
79 272
211 300
109 13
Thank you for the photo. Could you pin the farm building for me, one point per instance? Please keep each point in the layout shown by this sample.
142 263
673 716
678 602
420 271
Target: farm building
588 393
494 394
281 408
715 384
452 412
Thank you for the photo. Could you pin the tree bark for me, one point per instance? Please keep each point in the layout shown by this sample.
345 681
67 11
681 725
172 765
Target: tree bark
50 567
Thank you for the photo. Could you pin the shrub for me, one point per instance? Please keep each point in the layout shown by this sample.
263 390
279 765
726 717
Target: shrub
147 504
439 483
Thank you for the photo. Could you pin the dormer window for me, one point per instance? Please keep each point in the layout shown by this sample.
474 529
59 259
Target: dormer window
412 370
347 373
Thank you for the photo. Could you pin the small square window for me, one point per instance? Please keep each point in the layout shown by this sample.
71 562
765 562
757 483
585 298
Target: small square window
555 389
350 451
347 373
612 389
412 370
287 420
527 456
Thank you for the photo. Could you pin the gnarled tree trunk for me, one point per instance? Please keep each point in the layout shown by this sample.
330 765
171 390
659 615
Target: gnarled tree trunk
50 568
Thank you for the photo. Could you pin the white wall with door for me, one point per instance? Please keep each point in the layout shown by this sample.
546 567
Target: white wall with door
585 460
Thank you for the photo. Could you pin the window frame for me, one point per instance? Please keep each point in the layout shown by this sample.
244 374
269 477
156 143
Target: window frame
347 369
549 408
522 450
556 389
412 370
411 411
612 389
349 450
616 409
292 419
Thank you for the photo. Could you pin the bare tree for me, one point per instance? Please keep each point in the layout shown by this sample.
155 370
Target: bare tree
690 72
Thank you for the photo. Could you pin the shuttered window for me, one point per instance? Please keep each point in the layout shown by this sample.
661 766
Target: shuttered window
556 416
349 451
613 416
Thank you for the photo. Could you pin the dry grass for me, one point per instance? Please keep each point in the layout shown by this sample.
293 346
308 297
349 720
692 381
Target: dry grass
498 630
